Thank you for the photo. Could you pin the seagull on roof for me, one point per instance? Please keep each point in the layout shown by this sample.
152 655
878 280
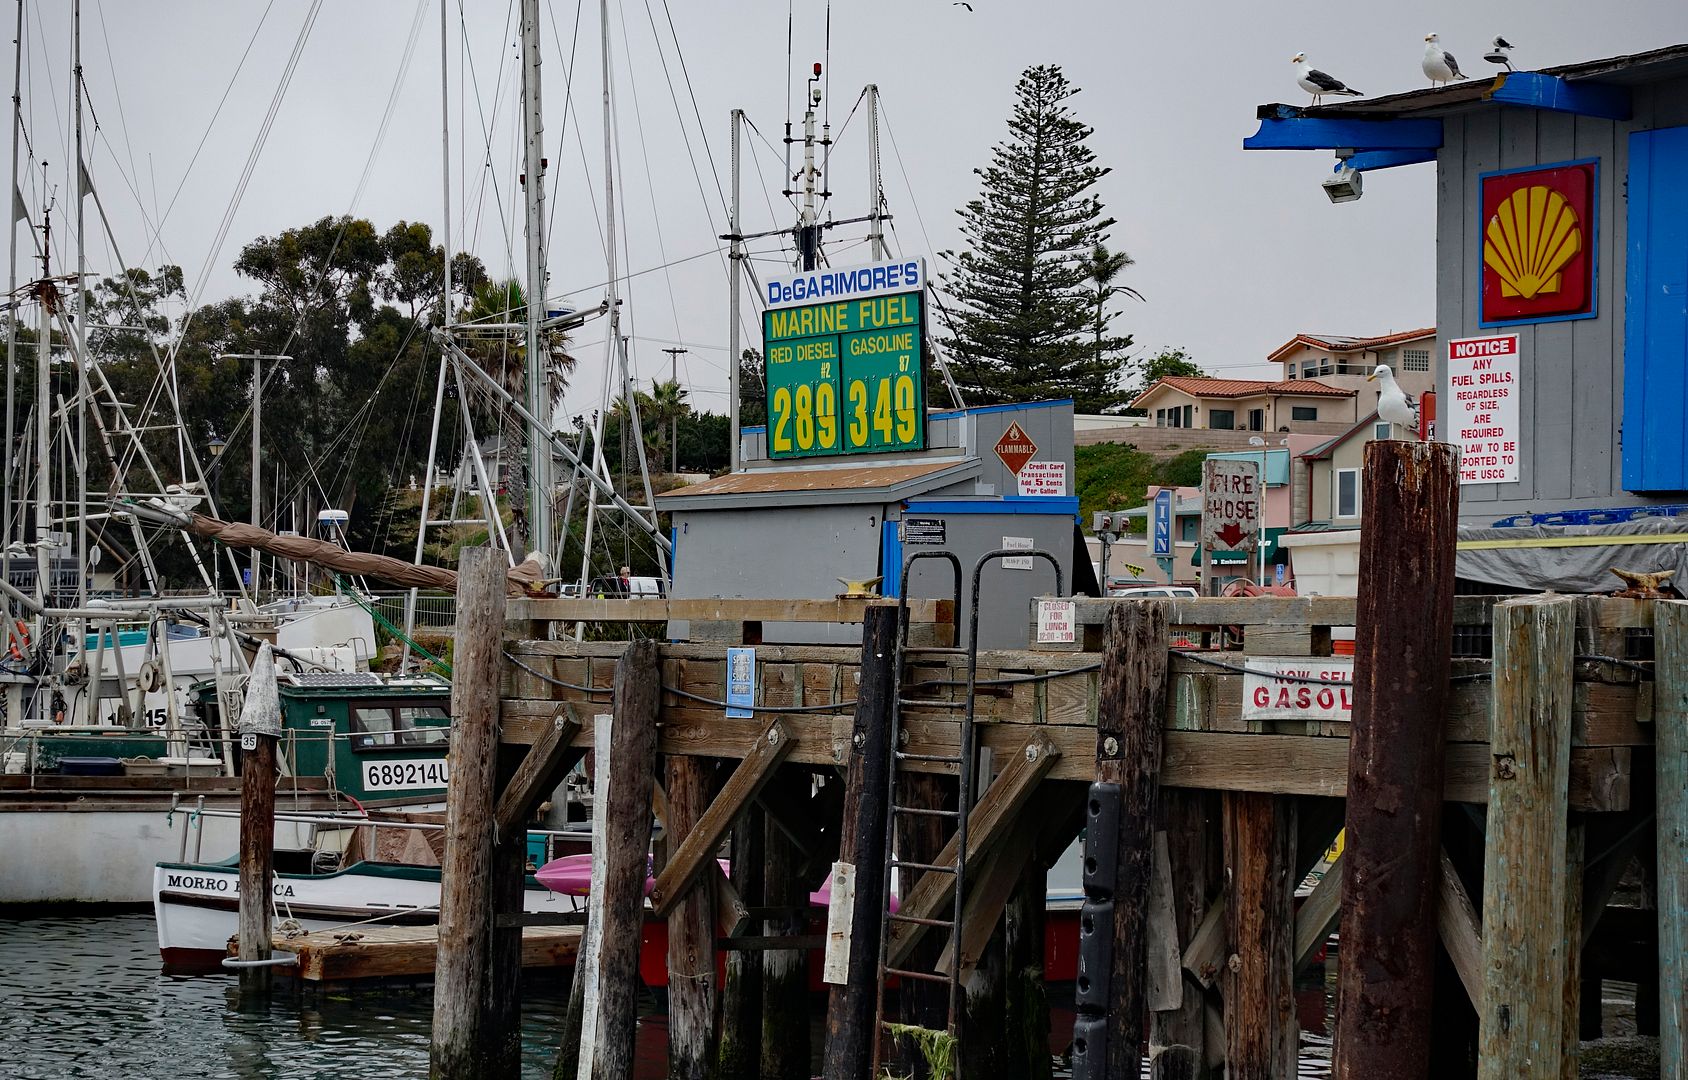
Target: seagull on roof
1393 405
1439 64
1500 52
1316 82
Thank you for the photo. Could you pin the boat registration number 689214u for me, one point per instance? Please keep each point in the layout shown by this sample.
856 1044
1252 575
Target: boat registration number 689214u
388 775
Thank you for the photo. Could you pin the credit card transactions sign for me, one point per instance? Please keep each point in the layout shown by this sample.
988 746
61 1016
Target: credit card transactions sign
846 360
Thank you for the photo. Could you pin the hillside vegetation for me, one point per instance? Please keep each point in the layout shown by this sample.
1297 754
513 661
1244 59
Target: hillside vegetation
1116 476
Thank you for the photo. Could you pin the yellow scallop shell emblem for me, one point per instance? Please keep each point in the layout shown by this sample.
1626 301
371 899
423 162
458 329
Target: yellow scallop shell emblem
1532 235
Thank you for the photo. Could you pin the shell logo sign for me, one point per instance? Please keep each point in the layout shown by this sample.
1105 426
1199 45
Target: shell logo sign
1537 235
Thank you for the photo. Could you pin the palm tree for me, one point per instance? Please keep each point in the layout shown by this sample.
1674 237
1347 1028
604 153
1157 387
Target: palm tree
1101 267
502 353
662 411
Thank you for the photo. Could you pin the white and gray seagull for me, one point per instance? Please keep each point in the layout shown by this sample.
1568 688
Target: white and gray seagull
1393 405
1316 82
1500 52
1439 64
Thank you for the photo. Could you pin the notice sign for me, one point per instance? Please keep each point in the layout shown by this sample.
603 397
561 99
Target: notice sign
1043 478
1304 688
1230 505
1017 562
741 682
1055 620
1482 420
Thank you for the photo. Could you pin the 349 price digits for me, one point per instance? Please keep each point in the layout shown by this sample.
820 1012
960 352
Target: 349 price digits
893 418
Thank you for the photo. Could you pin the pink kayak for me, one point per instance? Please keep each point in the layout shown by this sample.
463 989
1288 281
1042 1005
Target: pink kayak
571 875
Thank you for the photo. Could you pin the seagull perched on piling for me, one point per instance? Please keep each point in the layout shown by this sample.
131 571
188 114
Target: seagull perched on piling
1500 52
1439 64
1316 82
1393 404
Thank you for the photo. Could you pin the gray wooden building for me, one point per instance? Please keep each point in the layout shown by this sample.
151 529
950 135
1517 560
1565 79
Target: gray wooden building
1601 149
779 528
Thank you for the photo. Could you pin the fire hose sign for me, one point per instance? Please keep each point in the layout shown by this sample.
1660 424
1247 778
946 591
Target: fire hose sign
1230 505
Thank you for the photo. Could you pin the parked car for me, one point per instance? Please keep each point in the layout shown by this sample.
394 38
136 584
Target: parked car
612 587
1151 592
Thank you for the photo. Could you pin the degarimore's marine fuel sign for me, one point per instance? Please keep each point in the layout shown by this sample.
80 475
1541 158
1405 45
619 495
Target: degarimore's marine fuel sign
845 357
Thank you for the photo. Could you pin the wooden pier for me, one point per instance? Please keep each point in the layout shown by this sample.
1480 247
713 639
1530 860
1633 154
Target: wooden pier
357 953
1479 925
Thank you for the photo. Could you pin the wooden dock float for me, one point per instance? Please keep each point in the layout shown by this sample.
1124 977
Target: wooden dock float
384 952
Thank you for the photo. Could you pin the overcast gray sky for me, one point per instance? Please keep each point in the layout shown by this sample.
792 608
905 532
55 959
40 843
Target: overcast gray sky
1235 251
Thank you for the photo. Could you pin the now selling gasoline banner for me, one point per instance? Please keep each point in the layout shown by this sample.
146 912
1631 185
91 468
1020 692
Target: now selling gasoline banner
846 375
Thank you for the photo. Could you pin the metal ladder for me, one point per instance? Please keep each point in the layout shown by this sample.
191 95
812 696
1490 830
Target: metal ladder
964 760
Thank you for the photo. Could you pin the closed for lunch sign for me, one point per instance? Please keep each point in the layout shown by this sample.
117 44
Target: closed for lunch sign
1483 388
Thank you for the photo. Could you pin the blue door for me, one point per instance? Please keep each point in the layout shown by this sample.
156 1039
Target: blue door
1655 431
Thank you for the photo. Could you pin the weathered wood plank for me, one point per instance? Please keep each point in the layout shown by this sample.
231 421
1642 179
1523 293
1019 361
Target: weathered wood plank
618 896
1524 964
691 936
700 842
719 610
540 771
1318 914
1670 717
1460 929
1224 761
376 952
986 825
1258 978
462 1029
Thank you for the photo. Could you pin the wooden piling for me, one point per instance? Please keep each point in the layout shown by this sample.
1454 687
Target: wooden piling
462 985
257 860
1131 710
1402 649
620 865
1670 718
1524 963
691 936
785 989
1258 977
741 994
850 1033
1178 1032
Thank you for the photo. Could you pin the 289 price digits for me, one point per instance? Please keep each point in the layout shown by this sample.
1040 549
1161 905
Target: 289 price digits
806 415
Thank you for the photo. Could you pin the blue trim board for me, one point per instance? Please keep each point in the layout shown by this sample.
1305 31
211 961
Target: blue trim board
890 559
754 429
1066 505
1533 90
1018 406
1368 160
1593 245
1308 133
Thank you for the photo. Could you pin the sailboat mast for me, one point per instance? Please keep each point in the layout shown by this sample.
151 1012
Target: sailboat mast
538 366
43 415
82 395
11 453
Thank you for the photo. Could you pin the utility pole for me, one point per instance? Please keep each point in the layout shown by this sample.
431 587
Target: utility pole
735 268
256 515
674 421
538 366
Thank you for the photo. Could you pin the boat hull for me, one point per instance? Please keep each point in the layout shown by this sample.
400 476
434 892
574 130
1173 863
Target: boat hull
97 855
197 905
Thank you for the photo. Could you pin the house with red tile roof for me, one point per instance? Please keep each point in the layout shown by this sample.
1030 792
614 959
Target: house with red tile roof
1345 361
1297 405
